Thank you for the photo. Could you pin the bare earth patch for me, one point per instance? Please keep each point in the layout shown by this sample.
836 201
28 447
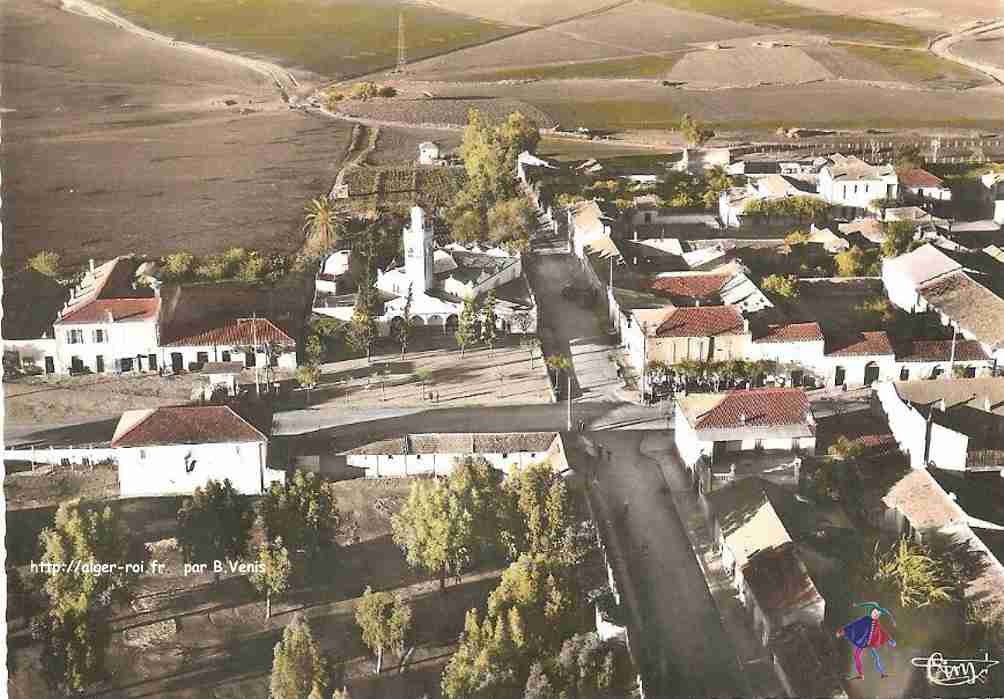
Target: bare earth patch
47 486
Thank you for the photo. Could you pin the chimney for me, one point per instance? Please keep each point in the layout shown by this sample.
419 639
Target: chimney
636 235
90 263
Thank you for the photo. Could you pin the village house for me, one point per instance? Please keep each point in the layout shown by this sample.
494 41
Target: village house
851 184
736 205
929 279
724 436
428 153
916 504
172 451
439 279
587 223
953 424
109 324
922 185
437 454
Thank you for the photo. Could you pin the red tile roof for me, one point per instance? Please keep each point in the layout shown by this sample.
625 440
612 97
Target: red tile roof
762 407
211 424
701 321
792 332
940 351
236 332
916 177
781 582
860 344
121 310
697 286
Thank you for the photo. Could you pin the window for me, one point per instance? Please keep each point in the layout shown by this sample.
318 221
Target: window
75 337
904 374
273 361
152 359
237 448
99 364
76 365
225 355
142 454
100 336
202 357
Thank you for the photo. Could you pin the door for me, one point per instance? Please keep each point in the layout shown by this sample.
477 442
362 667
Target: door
125 364
225 356
797 377
250 359
177 362
202 357
99 364
50 365
152 359
839 376
871 373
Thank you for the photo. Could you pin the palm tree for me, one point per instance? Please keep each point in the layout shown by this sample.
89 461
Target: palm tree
321 222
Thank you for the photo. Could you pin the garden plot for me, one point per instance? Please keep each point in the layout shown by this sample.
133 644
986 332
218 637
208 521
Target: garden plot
749 66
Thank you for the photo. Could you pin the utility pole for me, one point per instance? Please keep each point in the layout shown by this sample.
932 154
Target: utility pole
568 385
951 359
402 59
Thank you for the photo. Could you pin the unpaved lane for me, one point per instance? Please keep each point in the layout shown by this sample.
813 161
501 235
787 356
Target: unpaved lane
942 47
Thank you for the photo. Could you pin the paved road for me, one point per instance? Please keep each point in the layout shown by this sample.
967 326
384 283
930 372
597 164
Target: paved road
685 648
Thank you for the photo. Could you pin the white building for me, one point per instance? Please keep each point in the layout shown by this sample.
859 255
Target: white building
923 185
957 425
439 279
257 342
716 425
734 203
109 324
172 451
927 279
993 194
851 183
428 153
437 454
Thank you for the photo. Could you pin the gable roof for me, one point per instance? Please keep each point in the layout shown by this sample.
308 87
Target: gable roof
976 309
236 332
780 412
923 264
696 286
748 518
923 502
851 167
698 321
114 310
781 582
791 332
862 344
918 177
208 424
940 351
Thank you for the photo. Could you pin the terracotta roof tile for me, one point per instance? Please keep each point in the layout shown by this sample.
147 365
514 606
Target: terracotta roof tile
209 424
859 344
701 321
121 310
940 351
780 581
764 407
697 286
917 177
792 332
235 332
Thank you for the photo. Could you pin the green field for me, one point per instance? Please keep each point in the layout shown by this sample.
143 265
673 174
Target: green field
648 66
918 66
334 38
787 16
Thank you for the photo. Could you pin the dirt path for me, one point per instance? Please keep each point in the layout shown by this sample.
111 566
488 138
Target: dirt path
282 79
941 46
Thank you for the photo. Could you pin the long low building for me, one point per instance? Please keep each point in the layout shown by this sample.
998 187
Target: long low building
436 454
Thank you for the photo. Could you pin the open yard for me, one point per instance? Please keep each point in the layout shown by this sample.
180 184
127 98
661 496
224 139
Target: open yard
43 401
479 378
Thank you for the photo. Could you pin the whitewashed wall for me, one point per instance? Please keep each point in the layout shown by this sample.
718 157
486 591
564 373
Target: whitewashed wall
160 470
124 340
402 465
908 426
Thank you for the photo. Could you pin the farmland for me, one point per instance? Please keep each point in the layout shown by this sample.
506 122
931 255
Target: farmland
988 48
919 67
784 15
449 109
645 66
334 39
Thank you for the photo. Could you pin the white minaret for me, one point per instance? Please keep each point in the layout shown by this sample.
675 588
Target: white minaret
418 255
